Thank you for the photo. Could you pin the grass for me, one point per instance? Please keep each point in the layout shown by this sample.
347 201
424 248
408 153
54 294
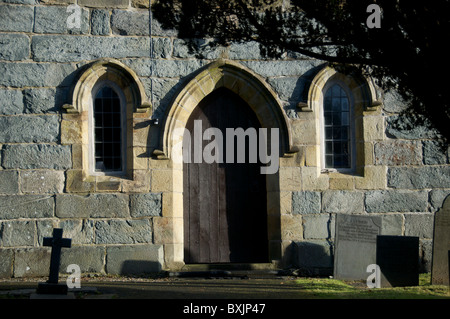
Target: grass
338 289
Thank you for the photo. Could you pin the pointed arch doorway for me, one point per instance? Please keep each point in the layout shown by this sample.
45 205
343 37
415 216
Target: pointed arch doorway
224 204
262 100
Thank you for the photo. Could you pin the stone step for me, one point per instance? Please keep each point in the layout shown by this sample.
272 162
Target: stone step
253 270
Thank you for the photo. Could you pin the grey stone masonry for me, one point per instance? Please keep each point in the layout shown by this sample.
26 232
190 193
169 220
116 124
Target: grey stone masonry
100 22
145 205
437 197
420 225
11 102
281 68
22 1
6 263
94 206
401 127
26 206
124 231
18 233
419 177
29 129
89 258
66 48
53 19
41 181
14 47
80 230
34 74
396 201
306 202
9 182
122 260
31 262
398 152
433 154
130 22
61 2
336 201
32 156
16 18
104 3
39 100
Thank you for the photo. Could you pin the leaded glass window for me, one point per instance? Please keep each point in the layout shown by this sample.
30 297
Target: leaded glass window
108 128
337 128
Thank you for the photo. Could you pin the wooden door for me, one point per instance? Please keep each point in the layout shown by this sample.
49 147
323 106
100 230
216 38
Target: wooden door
225 205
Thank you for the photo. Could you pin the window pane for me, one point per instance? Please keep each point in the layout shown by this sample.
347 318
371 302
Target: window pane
116 105
337 133
336 102
98 135
98 119
344 133
336 90
328 148
345 118
336 118
338 161
337 128
337 147
108 128
345 149
328 118
345 161
116 120
329 161
328 133
344 103
327 103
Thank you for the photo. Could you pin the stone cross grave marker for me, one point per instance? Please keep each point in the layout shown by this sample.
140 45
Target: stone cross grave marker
440 268
398 259
356 240
56 242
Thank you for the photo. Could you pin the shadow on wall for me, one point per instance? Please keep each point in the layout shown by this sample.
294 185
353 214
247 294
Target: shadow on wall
312 258
139 267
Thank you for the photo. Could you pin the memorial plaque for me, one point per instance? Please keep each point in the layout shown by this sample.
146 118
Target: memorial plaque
356 239
398 259
440 268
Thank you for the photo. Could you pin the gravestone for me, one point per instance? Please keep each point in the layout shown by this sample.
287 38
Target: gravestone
56 242
440 268
356 239
398 259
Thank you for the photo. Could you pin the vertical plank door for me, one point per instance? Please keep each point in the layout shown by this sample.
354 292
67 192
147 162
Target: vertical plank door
225 204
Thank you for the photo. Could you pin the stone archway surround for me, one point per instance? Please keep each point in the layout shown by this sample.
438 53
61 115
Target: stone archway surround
267 107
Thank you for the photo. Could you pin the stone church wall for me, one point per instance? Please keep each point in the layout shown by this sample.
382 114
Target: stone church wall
122 226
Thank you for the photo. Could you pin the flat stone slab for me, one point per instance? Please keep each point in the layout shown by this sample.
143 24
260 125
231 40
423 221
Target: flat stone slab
356 243
398 259
440 269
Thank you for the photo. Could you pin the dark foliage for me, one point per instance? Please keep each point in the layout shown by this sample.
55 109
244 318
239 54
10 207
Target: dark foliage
407 53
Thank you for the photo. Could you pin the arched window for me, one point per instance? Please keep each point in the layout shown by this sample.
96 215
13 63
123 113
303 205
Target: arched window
106 124
338 128
108 129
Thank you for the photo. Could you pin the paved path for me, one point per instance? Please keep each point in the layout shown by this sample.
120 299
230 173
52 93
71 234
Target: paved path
176 288
204 289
